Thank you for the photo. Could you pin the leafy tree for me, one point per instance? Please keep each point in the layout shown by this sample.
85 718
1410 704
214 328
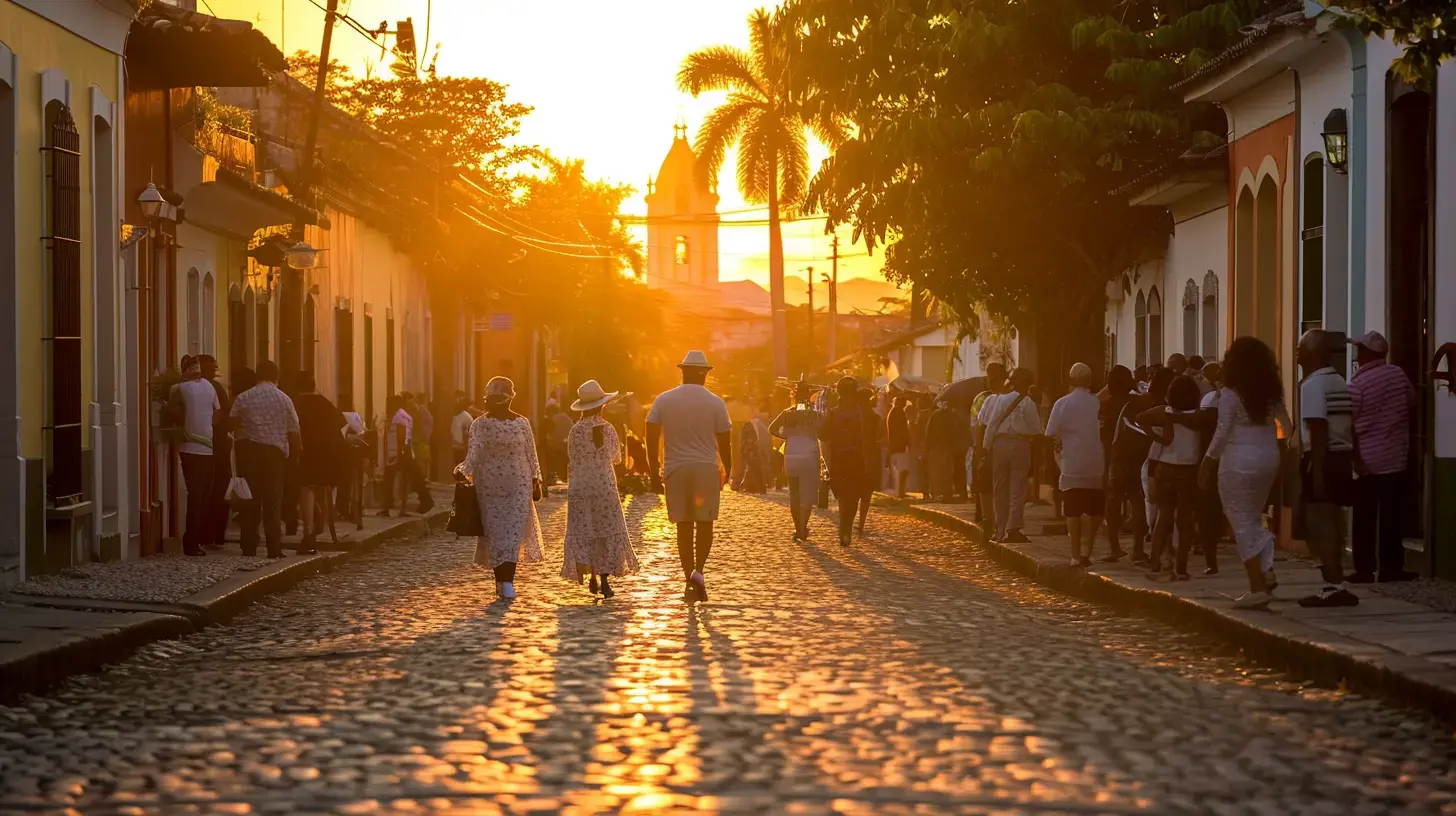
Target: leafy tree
1427 29
988 138
767 112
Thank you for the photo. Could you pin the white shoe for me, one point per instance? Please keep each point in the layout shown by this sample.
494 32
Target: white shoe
1253 600
508 590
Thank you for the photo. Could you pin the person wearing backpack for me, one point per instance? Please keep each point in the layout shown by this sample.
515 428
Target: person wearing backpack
1014 425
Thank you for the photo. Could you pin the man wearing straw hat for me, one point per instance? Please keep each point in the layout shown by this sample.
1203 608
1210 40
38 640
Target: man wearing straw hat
695 430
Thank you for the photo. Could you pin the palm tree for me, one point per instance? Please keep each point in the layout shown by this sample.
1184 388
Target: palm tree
768 109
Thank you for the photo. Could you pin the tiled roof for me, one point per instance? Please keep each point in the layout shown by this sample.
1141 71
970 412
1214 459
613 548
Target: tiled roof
1191 160
170 47
1285 18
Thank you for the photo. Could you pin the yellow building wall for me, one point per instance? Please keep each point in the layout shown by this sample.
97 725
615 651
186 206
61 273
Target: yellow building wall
40 44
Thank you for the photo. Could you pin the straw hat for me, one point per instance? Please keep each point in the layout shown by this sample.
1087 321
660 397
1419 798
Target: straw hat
694 359
591 395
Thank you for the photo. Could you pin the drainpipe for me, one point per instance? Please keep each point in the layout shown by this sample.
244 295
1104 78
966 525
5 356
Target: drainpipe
1359 173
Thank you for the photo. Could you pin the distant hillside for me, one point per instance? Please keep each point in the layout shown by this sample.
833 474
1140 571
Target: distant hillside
861 294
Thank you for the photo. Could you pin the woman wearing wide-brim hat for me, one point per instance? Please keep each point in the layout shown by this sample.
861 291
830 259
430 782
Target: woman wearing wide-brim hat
597 542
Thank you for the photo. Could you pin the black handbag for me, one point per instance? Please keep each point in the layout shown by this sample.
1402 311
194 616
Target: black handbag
465 513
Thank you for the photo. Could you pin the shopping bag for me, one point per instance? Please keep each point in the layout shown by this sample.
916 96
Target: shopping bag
465 513
237 489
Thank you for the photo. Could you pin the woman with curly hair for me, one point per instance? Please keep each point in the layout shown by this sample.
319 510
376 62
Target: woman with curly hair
1244 456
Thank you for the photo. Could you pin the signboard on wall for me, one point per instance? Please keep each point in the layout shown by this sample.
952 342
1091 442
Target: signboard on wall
498 321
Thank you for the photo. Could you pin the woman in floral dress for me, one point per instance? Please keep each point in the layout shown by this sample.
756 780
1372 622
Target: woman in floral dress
501 461
597 543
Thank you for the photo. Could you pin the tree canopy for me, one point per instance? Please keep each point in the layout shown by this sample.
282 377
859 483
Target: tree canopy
988 138
1426 28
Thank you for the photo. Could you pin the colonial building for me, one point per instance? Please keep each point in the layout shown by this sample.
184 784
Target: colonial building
682 223
63 472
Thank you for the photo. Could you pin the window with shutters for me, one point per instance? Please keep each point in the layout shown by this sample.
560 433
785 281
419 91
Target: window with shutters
368 365
62 337
1140 331
1212 349
344 352
1155 327
1190 318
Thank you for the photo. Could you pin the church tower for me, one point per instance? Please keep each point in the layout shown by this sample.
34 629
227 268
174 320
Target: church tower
682 221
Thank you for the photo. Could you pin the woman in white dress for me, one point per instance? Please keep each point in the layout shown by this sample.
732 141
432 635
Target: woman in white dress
597 543
501 461
1245 453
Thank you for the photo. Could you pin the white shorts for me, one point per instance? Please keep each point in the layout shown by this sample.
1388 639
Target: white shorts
692 493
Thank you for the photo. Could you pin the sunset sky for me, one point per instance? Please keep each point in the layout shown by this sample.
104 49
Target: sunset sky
601 77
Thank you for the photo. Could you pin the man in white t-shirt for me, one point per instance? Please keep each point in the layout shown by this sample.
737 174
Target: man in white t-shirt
460 429
693 426
198 407
1327 469
1073 424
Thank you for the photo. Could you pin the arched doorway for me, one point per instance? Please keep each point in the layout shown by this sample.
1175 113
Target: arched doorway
1409 175
1243 283
1266 263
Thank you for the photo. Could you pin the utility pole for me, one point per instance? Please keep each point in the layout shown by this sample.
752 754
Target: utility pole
809 274
833 281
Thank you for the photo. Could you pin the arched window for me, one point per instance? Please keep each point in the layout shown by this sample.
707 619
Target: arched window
1266 263
1243 280
194 312
1140 331
250 329
63 417
680 250
1190 318
1211 347
1155 327
209 315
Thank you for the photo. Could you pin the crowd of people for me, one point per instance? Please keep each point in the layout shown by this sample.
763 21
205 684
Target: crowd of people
1184 454
301 460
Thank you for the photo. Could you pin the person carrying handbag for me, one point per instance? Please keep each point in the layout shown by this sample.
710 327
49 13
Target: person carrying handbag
1014 424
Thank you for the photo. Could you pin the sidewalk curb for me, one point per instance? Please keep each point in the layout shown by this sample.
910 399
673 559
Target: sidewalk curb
1269 638
41 669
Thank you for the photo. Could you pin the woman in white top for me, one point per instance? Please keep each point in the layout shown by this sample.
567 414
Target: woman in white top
799 427
1245 453
1173 472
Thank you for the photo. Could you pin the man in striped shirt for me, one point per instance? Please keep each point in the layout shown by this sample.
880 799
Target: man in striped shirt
1327 469
1384 399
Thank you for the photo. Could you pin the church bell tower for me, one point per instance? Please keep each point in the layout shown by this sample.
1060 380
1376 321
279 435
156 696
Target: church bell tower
682 222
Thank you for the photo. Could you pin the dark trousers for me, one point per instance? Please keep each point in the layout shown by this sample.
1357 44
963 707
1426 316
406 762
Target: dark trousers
1175 494
215 531
1210 524
407 471
958 473
1377 540
263 467
1125 488
197 474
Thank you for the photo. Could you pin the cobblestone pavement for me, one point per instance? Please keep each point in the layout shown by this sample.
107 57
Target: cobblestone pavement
905 674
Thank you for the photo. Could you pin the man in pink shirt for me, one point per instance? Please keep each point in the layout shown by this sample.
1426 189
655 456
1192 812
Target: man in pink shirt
1383 398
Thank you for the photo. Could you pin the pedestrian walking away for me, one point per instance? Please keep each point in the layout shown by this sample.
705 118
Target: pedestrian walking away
939 442
1013 424
460 429
1327 468
1211 523
198 406
845 437
597 542
897 439
266 436
1123 490
214 534
1173 474
401 472
323 462
982 481
1383 401
1244 458
800 426
692 426
1074 431
503 466
874 430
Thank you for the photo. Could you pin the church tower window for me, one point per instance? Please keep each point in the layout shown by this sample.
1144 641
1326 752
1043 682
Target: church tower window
680 250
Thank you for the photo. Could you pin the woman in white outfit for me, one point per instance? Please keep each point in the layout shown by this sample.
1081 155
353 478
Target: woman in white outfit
799 427
1245 453
502 463
597 543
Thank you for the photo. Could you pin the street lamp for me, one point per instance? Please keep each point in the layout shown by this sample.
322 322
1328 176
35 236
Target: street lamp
151 201
1337 140
302 255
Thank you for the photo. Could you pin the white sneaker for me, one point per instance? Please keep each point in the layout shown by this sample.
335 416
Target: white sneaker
508 590
1253 600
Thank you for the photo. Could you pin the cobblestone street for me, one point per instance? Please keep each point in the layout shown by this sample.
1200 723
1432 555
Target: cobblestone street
905 674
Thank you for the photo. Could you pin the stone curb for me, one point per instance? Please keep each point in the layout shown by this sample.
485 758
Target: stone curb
1279 641
40 669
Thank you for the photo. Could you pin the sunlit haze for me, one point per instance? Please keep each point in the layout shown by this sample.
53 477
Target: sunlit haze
601 77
